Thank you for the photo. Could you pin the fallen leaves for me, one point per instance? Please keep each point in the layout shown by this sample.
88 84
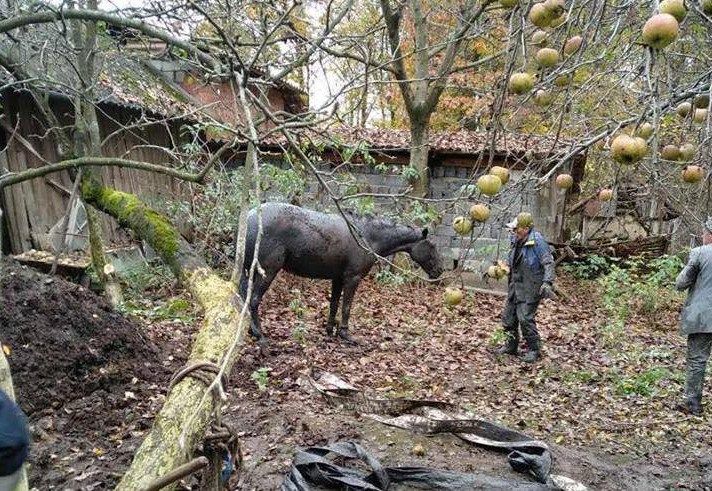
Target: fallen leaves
584 389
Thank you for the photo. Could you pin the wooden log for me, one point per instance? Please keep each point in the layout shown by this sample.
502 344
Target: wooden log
187 412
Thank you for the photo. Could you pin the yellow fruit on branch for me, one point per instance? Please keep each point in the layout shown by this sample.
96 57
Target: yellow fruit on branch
564 181
670 152
660 30
501 172
489 185
547 57
572 45
453 296
687 151
462 225
479 212
605 194
521 83
692 174
676 8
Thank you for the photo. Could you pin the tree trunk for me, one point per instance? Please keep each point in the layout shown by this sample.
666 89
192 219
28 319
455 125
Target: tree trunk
187 412
419 150
7 387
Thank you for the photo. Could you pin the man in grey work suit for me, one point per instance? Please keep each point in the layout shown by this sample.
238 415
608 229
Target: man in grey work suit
531 278
696 318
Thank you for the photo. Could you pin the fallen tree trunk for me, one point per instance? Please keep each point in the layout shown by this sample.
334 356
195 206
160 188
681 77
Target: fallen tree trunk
171 441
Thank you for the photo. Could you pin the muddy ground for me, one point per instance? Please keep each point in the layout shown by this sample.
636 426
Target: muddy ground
91 381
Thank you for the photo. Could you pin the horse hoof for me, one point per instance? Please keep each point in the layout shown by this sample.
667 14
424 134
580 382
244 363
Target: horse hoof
330 329
345 336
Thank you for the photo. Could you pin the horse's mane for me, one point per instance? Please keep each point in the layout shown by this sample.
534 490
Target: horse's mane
375 220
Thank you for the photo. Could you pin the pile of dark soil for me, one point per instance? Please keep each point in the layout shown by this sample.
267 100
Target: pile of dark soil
90 379
66 342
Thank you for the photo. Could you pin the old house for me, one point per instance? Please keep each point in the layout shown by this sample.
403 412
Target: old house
148 110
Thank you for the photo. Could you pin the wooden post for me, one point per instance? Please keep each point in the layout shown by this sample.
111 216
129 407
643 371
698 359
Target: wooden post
7 387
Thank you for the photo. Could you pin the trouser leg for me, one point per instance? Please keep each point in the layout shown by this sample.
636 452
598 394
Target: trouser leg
698 352
526 312
510 324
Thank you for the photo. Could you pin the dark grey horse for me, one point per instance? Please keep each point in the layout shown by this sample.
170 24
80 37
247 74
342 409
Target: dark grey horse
316 245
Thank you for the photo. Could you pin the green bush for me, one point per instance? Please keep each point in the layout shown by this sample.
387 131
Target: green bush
589 268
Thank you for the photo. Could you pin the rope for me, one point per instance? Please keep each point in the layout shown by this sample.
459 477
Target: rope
221 444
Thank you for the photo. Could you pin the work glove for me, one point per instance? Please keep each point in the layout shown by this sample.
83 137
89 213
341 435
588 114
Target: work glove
546 291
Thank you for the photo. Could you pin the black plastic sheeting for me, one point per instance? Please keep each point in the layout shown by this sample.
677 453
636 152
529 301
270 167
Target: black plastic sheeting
314 469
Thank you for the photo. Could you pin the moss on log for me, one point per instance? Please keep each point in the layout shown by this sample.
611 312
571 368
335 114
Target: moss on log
162 450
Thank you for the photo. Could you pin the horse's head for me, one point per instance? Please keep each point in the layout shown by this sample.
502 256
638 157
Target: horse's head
427 256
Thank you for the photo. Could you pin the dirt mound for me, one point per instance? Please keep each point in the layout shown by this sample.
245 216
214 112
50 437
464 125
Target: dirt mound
66 342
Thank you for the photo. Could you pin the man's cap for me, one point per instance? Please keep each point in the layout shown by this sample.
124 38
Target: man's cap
524 219
708 224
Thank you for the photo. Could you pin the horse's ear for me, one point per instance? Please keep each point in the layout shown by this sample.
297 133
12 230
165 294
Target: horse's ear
425 233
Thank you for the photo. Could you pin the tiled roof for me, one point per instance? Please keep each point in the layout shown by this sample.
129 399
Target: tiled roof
462 141
466 142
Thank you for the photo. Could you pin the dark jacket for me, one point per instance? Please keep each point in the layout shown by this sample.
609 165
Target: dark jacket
696 315
14 437
535 267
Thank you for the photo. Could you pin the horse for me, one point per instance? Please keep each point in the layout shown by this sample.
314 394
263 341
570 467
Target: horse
318 245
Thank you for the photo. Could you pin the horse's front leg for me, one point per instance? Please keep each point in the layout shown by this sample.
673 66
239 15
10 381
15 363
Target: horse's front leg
336 287
350 286
259 288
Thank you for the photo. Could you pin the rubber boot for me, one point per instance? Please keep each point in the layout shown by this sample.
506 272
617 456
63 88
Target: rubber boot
533 354
691 406
531 357
510 348
346 337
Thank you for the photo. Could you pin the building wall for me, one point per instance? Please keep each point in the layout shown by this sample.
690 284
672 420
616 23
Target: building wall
33 207
221 100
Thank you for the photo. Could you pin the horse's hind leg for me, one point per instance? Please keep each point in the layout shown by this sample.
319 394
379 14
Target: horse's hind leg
350 286
336 287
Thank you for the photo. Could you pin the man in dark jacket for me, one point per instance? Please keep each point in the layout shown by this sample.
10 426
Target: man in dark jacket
531 278
14 442
696 318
